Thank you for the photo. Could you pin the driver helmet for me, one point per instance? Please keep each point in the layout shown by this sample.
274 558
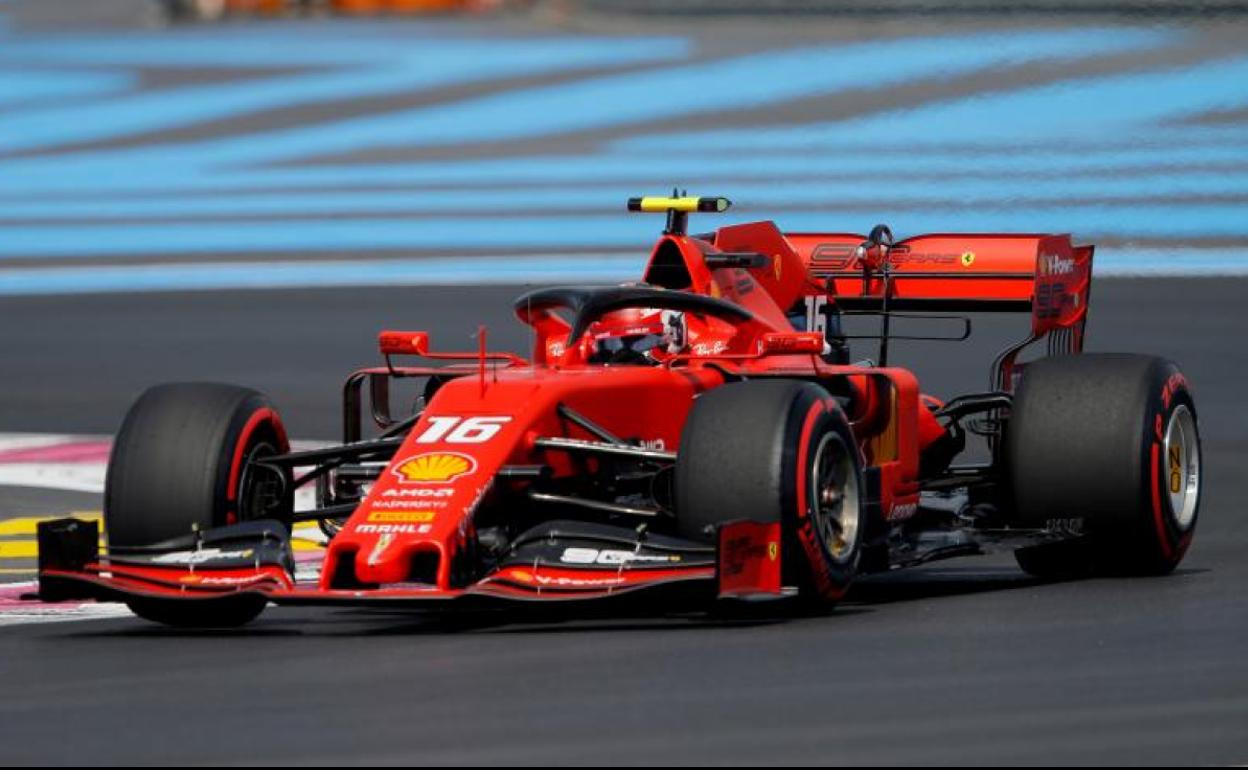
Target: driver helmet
635 334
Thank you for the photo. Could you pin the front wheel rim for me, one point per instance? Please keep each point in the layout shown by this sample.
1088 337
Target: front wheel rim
834 498
255 495
1182 466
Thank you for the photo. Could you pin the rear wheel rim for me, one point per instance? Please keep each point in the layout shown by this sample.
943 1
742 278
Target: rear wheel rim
1182 466
834 496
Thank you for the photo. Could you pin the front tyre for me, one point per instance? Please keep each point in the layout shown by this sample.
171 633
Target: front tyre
1111 440
183 460
776 451
216 612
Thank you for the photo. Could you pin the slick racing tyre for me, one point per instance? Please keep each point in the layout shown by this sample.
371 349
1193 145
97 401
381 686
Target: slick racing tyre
1106 445
215 612
181 461
776 451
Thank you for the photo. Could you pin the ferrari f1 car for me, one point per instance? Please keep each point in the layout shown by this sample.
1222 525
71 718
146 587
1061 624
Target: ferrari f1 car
702 433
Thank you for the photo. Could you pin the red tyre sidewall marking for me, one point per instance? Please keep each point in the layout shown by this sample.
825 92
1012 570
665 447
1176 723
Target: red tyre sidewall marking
815 555
1159 521
1175 384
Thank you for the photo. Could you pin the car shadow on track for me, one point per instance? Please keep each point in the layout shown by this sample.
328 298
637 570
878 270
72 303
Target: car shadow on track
944 581
526 623
934 582
279 623
867 596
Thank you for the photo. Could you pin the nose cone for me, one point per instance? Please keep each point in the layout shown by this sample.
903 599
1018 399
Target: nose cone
418 512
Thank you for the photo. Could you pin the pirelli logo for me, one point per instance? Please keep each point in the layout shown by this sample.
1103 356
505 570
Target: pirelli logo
402 517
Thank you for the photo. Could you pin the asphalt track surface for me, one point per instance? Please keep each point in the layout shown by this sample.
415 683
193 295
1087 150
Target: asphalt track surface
964 662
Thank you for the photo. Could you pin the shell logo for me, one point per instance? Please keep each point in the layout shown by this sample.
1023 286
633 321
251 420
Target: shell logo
434 468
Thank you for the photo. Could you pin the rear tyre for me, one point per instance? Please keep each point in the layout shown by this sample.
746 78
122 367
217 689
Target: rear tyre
1108 442
776 451
1056 561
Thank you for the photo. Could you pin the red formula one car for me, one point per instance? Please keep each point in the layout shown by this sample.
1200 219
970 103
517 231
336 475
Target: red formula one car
701 433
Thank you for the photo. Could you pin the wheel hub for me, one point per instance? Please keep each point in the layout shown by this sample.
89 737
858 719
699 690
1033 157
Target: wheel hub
259 488
834 492
1182 466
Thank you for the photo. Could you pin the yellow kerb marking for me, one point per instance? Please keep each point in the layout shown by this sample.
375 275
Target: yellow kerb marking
26 547
18 549
307 536
25 525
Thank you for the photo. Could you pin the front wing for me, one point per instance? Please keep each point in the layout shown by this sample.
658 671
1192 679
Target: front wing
229 564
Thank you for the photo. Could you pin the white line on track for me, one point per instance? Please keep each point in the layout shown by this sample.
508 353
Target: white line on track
18 441
15 611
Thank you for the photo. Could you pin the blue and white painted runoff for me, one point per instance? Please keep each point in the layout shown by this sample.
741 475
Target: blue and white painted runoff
503 147
819 193
532 233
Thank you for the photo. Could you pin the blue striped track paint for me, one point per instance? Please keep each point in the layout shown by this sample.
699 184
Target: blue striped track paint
623 99
1170 262
1003 160
22 179
884 193
409 69
590 268
26 87
1107 107
1225 220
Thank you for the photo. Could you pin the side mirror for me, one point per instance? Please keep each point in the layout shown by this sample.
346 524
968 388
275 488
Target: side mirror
780 343
396 343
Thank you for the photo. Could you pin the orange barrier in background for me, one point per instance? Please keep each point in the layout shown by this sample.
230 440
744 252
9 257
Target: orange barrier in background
255 6
402 6
352 7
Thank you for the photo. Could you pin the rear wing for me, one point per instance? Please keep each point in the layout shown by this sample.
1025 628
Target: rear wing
1045 275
